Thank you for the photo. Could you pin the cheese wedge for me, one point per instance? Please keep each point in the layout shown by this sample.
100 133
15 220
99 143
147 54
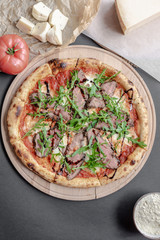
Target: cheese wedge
40 31
135 13
54 36
41 12
56 18
25 25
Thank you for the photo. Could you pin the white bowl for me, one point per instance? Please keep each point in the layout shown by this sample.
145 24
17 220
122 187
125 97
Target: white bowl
146 215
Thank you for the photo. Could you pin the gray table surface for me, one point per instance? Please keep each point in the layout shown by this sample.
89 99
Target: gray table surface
26 213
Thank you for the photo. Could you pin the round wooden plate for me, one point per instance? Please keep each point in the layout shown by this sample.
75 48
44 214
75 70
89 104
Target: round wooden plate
78 52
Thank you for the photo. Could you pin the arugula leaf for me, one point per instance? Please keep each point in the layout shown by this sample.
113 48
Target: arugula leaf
93 91
60 98
116 109
135 141
74 79
62 160
80 150
62 126
93 123
122 129
101 78
38 125
53 157
38 114
42 98
90 141
67 166
45 142
74 106
93 159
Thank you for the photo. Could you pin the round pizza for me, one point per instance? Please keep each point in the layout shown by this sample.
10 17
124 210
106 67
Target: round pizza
78 123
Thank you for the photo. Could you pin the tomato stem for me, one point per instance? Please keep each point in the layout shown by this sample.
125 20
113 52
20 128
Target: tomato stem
12 50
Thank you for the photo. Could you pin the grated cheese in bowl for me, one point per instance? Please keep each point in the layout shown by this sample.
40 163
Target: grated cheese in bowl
147 215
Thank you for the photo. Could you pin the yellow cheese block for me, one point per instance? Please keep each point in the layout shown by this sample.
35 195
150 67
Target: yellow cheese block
135 13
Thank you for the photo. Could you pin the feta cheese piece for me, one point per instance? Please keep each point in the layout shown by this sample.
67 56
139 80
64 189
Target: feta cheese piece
57 154
40 30
40 11
25 25
56 18
54 36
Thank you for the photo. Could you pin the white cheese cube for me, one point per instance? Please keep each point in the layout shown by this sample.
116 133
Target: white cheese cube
25 25
56 18
40 30
64 140
40 11
54 36
57 154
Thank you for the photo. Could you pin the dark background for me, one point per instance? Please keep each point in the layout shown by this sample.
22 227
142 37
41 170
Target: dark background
26 213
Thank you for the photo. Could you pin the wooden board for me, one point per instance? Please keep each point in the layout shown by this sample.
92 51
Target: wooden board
78 52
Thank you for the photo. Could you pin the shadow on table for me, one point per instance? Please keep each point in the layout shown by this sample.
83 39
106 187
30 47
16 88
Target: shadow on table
125 211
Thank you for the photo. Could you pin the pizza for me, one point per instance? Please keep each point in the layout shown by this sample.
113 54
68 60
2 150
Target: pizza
78 123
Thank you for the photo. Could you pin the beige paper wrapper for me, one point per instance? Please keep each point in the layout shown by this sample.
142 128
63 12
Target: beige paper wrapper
79 12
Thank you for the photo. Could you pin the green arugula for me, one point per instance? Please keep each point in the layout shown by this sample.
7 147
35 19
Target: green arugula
62 127
67 166
38 114
92 90
135 141
101 78
44 142
75 79
62 160
93 160
42 99
97 81
116 109
92 124
38 125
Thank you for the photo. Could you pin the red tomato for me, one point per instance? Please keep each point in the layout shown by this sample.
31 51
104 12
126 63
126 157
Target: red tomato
14 54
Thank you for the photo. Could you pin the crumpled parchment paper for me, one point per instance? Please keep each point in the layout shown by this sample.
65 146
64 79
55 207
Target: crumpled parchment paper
79 12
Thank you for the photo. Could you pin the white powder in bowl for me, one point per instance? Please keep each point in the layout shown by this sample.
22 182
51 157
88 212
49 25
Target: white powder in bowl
147 215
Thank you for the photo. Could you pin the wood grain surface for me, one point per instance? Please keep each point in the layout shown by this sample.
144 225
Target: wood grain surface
109 58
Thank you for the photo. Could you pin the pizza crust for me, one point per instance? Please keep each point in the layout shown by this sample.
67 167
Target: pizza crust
59 65
13 119
126 168
27 86
78 182
29 161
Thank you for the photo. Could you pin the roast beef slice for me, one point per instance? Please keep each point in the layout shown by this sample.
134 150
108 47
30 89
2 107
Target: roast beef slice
94 102
81 76
38 147
109 159
76 172
108 88
56 137
76 143
35 97
60 110
78 98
